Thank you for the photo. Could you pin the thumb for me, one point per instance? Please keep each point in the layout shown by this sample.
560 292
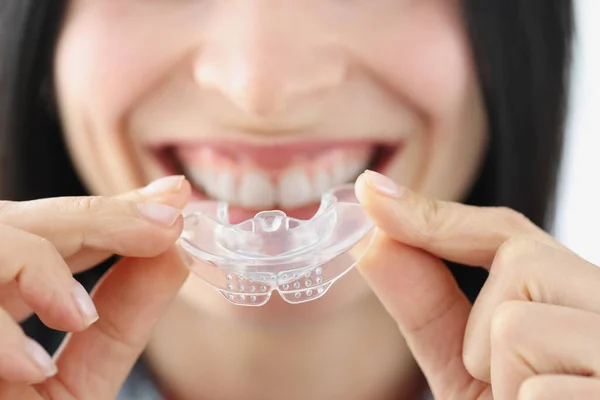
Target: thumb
130 300
173 191
455 232
420 293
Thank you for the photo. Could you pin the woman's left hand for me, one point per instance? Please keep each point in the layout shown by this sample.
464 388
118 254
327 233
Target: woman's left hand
533 332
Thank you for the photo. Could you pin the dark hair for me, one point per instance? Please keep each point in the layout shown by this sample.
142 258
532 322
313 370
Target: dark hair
522 51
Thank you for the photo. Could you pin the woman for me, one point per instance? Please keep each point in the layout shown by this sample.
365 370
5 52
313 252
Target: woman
266 104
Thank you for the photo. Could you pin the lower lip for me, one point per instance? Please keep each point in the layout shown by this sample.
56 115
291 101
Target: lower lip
239 214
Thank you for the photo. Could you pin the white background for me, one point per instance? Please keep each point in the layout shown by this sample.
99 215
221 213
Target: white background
578 218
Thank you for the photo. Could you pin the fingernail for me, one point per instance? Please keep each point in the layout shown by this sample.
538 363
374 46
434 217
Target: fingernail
164 185
159 213
40 357
382 184
84 304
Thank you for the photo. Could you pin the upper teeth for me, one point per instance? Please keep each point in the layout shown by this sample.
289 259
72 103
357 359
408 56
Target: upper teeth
295 186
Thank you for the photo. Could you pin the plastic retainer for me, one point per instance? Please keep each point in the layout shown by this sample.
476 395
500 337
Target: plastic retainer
300 259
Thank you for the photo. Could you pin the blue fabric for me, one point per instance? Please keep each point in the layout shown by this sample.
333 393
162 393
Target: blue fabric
139 386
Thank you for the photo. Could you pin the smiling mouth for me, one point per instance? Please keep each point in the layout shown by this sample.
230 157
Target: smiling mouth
287 177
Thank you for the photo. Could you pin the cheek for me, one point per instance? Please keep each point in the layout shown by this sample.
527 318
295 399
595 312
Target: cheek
428 61
103 67
428 65
103 62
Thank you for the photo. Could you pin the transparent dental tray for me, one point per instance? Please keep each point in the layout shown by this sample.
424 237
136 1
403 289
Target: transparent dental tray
300 259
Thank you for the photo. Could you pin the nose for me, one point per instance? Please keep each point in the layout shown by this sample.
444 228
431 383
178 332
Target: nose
265 58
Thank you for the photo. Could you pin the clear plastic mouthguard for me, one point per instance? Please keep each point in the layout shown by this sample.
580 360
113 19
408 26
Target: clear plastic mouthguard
300 259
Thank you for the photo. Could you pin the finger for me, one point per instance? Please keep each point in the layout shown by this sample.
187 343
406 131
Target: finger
452 231
527 270
22 391
12 302
421 295
21 358
174 191
130 299
43 280
531 339
560 387
138 229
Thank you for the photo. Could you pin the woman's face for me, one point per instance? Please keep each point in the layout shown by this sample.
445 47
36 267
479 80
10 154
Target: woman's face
269 103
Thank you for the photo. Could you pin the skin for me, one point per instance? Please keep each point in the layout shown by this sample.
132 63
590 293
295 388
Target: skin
177 61
531 332
258 72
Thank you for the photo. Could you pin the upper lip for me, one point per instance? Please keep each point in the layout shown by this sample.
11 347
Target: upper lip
165 152
270 155
293 147
260 138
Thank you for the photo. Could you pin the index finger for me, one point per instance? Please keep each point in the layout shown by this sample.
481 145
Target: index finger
129 225
421 295
455 232
130 299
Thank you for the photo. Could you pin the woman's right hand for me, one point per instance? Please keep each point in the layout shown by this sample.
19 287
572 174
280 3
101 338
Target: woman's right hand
43 243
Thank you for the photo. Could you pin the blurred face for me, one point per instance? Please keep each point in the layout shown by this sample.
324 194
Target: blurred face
269 103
